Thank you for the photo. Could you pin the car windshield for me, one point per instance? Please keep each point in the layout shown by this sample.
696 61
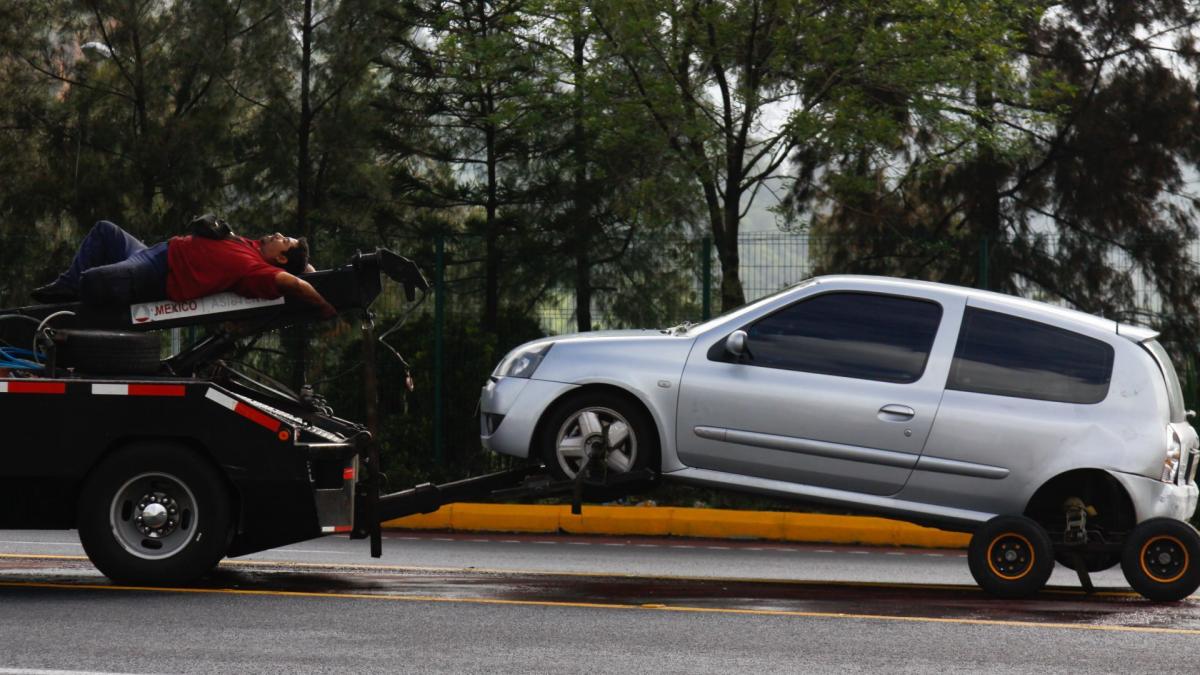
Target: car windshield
687 327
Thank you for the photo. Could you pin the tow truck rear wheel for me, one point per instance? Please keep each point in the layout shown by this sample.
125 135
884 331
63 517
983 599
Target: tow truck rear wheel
154 513
1011 557
1161 559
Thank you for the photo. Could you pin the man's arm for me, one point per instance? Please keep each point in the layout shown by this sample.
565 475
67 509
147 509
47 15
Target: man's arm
294 287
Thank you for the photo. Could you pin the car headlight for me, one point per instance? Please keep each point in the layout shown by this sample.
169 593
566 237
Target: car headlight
522 362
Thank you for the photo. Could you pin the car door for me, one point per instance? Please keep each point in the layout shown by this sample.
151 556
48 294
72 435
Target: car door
838 389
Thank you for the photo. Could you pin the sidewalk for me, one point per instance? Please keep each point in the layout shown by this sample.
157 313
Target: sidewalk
681 522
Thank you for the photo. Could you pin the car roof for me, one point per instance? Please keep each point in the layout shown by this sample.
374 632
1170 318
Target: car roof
1055 313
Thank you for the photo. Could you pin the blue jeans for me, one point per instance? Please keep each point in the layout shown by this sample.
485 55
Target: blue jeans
114 267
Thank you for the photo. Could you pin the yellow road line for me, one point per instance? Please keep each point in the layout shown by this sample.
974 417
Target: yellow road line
1057 590
599 605
41 556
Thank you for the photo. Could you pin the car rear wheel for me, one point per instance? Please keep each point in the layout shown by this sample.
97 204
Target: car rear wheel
601 422
1011 557
1161 559
154 514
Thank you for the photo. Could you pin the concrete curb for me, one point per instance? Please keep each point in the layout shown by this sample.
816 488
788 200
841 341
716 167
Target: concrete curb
681 522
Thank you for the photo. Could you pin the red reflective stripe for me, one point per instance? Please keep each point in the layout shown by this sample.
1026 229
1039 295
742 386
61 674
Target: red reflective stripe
37 387
348 474
343 528
157 390
256 416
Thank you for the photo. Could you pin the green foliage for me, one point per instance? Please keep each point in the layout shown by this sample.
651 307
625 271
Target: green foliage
576 151
1059 149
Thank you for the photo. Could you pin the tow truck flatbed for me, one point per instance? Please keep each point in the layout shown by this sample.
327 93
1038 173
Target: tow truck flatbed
165 472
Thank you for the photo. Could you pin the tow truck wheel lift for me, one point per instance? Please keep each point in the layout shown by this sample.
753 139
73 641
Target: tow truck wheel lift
146 463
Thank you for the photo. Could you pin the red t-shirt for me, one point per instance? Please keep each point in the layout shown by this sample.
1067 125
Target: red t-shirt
197 267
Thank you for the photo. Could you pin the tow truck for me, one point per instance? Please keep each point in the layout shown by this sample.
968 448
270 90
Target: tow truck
166 466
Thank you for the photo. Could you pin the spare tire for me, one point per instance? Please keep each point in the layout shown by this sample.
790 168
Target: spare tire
103 352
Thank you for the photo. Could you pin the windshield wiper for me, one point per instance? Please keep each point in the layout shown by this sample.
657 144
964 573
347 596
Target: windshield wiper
681 329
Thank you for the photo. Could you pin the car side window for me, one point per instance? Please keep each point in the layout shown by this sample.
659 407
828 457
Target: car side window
1005 355
860 335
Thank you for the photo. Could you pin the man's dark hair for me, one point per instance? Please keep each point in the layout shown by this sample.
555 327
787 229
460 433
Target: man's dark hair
297 257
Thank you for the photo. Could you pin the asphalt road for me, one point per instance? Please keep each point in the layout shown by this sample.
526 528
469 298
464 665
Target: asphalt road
446 603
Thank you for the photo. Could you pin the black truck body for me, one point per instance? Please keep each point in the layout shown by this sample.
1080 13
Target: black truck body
167 470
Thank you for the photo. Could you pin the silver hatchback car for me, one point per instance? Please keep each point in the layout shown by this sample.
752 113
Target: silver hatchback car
1048 433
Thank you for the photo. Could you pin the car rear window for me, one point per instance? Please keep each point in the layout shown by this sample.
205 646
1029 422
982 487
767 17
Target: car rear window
860 335
1004 355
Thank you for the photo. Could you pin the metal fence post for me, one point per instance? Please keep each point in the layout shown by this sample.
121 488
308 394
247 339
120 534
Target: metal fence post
706 274
439 334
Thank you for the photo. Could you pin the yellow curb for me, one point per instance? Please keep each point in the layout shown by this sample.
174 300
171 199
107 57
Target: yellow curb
681 522
504 518
725 524
645 521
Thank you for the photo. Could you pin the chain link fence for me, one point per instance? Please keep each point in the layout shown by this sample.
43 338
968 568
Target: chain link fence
432 432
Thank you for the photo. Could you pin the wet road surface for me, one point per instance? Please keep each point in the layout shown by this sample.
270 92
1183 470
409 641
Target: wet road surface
605 618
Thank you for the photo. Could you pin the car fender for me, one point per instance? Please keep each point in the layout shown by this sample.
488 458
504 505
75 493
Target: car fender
649 368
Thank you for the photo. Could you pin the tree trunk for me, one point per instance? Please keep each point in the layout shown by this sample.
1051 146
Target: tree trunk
491 291
732 294
985 222
491 302
304 128
296 338
141 128
582 224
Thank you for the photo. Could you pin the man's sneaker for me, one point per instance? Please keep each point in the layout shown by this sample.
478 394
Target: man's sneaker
54 292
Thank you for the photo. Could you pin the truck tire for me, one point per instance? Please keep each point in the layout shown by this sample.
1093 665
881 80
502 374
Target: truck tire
1011 557
1161 559
155 513
102 352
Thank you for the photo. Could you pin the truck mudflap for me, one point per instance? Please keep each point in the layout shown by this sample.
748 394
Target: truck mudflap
335 503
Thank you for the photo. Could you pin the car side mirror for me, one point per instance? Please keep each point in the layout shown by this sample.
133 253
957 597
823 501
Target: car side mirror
735 344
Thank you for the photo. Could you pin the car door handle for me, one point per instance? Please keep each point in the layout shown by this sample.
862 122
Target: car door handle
894 412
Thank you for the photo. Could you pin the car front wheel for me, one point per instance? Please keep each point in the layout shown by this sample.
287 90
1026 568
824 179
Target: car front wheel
598 423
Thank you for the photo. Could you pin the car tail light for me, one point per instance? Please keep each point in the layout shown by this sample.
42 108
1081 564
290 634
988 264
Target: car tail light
1170 470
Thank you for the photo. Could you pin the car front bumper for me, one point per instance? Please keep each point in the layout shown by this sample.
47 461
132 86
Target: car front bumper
510 408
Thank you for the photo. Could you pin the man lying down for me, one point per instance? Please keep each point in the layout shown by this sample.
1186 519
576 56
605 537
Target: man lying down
114 267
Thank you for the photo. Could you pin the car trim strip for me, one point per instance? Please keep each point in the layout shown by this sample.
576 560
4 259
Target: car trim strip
807 446
960 468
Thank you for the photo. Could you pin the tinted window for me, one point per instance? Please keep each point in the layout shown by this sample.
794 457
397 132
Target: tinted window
1007 356
871 337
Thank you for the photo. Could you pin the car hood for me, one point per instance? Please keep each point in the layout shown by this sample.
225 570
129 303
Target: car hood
603 355
610 334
